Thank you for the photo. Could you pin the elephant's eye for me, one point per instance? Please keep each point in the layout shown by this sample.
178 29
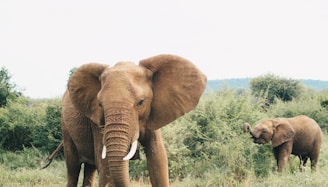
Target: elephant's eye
140 102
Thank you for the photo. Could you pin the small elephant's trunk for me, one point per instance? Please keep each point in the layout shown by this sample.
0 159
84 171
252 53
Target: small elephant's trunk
247 127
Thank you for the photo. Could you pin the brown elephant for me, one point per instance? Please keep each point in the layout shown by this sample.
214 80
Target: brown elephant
106 111
300 136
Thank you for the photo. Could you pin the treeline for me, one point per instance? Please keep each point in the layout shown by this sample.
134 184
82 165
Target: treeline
243 83
207 143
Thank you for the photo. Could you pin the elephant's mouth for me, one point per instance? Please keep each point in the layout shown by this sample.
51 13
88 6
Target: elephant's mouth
258 140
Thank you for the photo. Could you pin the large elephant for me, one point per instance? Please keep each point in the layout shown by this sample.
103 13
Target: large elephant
106 111
300 136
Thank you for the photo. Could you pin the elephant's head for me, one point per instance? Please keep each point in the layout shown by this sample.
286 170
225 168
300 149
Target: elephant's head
126 99
277 131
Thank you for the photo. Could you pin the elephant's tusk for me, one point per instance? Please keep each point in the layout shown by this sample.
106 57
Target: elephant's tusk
132 150
103 153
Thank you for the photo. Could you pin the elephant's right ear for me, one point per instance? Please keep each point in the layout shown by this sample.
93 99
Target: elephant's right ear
283 132
83 87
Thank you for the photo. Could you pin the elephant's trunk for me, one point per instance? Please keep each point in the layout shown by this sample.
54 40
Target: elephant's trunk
117 146
119 133
247 128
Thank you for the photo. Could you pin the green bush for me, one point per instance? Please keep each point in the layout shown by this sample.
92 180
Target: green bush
211 137
18 122
27 123
48 136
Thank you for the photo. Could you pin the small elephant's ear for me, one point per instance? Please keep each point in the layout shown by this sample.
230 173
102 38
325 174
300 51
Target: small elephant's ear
177 87
83 87
283 133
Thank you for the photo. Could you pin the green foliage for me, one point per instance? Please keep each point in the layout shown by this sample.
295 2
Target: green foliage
48 136
263 160
211 137
27 122
18 121
7 89
270 87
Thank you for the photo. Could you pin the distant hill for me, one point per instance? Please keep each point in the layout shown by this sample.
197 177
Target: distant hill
243 83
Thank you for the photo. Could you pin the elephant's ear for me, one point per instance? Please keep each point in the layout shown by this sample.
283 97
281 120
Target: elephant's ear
83 87
283 132
177 87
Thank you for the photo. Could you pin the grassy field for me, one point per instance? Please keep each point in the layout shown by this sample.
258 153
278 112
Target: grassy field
12 173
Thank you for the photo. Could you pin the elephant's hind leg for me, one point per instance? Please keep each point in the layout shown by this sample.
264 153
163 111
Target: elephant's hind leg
314 156
89 175
314 161
303 160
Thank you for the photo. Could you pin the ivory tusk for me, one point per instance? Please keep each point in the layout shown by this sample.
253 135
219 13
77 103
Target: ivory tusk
103 153
132 150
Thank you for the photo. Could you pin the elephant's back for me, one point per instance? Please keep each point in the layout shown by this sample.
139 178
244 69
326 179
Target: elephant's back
308 134
305 123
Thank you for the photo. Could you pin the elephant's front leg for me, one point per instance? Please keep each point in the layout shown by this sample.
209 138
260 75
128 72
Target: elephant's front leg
282 155
156 159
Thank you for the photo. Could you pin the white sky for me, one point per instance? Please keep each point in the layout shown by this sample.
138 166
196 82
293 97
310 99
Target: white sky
40 41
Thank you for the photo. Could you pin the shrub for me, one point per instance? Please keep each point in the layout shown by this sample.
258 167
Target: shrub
27 123
18 123
48 136
211 137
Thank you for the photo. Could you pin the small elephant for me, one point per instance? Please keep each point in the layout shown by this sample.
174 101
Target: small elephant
106 111
300 136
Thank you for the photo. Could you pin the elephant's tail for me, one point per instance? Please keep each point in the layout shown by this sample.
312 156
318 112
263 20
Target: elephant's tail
53 154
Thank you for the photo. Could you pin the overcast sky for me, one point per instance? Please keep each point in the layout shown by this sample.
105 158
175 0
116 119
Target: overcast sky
40 41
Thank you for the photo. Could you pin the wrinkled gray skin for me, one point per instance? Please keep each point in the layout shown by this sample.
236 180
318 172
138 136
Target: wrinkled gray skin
106 109
300 136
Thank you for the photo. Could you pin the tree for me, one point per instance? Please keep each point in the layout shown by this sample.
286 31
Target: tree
48 136
270 87
7 89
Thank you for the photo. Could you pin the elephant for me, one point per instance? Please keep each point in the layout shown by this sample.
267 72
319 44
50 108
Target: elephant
299 135
109 112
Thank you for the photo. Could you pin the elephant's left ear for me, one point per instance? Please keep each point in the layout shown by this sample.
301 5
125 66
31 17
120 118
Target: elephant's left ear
177 87
283 133
83 87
